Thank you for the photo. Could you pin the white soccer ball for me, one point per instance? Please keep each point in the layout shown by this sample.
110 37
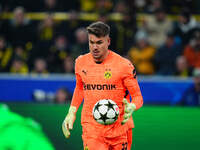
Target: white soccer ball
105 111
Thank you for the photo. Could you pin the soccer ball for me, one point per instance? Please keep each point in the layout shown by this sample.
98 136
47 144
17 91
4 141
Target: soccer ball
105 111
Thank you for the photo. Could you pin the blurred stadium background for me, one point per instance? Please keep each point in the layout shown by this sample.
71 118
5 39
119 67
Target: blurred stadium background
39 41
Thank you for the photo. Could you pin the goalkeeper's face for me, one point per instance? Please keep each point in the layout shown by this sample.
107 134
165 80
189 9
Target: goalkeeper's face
98 47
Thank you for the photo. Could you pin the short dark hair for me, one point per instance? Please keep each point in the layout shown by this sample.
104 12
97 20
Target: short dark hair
99 29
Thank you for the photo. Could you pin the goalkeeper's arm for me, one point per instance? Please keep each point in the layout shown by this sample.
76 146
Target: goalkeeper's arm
130 82
76 101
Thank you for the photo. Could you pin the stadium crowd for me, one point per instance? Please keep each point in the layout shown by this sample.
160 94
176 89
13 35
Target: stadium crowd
155 43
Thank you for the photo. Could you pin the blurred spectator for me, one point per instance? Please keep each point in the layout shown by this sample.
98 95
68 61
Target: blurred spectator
47 28
19 51
154 5
68 65
123 31
50 6
157 27
185 25
19 30
142 55
120 7
140 5
6 54
98 6
165 56
192 96
24 52
81 44
40 67
103 6
87 5
192 51
62 96
19 66
182 69
57 53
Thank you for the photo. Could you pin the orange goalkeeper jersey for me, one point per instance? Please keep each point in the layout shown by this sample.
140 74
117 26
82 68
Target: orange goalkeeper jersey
107 80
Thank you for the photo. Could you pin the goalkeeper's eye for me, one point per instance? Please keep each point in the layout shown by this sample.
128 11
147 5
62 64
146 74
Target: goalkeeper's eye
99 42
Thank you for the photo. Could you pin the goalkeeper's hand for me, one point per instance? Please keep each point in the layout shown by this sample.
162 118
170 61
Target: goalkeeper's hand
68 122
128 110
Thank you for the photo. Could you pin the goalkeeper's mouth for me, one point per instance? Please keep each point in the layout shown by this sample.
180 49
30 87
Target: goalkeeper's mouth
95 53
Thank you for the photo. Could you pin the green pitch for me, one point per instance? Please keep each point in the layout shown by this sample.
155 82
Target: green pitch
156 127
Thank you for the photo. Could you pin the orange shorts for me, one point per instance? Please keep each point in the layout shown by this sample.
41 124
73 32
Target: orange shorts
122 142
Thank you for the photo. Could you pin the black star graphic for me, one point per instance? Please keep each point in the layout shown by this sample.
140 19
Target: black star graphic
104 117
110 105
97 106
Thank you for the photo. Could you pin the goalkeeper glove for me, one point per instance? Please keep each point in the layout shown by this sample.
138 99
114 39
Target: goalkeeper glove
68 122
128 110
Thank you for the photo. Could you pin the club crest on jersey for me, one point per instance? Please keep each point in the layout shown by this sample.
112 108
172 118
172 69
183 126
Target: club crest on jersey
107 74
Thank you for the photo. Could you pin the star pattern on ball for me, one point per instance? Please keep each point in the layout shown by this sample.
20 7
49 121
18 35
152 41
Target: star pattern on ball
97 106
110 105
105 112
103 117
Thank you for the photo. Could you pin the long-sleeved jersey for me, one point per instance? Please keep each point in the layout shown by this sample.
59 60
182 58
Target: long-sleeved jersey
108 80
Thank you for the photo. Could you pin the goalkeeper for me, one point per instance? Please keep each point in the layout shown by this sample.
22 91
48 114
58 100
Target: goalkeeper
103 74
